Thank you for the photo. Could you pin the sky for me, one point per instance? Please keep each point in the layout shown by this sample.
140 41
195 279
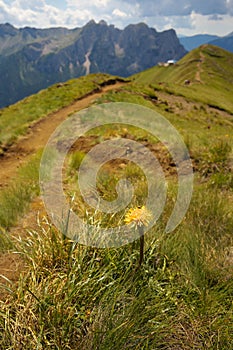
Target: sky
187 17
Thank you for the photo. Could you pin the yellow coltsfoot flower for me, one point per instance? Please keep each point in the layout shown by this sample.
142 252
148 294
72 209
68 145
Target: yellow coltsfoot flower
138 216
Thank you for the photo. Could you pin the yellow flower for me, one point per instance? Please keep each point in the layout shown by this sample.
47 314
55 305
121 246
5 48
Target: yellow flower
138 216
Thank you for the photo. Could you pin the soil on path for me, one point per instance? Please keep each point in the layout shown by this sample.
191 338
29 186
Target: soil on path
11 264
199 67
39 133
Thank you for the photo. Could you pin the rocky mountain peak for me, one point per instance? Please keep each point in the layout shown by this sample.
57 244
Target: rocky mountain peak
32 59
7 29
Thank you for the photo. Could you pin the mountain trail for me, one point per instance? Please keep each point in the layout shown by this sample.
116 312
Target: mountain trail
39 133
11 264
199 67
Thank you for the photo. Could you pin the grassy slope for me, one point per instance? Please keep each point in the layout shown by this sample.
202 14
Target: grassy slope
15 119
76 297
216 77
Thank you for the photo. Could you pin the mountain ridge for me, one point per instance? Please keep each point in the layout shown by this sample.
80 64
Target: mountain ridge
32 59
225 42
204 74
192 42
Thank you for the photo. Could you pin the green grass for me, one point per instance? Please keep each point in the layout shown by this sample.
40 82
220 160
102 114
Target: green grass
194 122
132 93
15 119
216 75
15 198
77 297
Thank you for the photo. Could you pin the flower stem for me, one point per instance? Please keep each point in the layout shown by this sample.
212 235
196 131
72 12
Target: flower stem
141 233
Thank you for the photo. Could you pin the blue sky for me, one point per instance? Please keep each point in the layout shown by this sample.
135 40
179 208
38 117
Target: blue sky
187 17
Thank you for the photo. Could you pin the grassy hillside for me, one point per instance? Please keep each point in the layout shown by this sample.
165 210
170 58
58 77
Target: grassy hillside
76 297
209 70
15 119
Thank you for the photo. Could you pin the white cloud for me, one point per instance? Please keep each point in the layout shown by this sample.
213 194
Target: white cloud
27 4
230 6
119 13
215 17
30 13
99 5
182 7
76 18
205 24
186 16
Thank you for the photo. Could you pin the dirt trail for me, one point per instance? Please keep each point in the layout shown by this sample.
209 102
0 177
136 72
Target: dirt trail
39 133
11 264
199 67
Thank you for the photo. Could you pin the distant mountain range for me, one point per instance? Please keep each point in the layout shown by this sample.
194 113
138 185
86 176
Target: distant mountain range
192 42
225 42
32 59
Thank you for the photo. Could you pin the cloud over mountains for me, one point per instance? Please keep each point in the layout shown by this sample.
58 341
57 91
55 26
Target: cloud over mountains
190 14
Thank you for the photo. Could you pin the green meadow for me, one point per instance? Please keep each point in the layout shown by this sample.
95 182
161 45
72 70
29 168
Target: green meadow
71 296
